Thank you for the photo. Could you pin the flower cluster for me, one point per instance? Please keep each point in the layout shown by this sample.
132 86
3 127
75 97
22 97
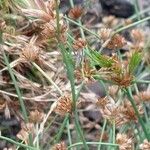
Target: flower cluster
121 114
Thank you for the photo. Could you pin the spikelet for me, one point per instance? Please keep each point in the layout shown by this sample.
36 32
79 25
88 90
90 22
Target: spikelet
116 42
145 145
63 106
125 143
76 12
79 44
36 116
59 146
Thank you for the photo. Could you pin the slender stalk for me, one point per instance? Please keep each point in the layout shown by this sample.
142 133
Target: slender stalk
47 77
69 134
16 143
70 73
92 143
129 95
143 81
17 88
78 24
71 3
134 17
78 128
137 10
58 136
103 129
37 143
114 132
23 108
71 78
132 25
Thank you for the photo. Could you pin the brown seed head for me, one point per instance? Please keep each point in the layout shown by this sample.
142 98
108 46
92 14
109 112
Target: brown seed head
79 44
105 33
128 21
145 145
64 105
85 72
125 143
116 42
110 21
25 131
30 53
59 146
137 35
142 96
129 113
124 80
36 116
50 29
76 12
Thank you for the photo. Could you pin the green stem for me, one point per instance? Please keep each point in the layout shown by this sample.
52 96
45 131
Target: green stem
78 128
16 143
71 3
137 10
129 95
58 136
17 88
103 129
78 24
70 74
132 25
69 134
114 132
92 143
134 17
142 81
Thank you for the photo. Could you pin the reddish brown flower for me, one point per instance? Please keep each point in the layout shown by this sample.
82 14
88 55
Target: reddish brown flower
76 12
116 42
64 105
79 44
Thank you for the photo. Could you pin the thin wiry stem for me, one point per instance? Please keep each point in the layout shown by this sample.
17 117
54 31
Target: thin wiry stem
78 24
47 77
92 143
16 143
102 133
129 95
17 88
70 73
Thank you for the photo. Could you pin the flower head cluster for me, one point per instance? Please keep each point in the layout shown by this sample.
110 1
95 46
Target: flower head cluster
145 145
86 72
45 12
125 143
76 12
117 72
121 114
64 105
